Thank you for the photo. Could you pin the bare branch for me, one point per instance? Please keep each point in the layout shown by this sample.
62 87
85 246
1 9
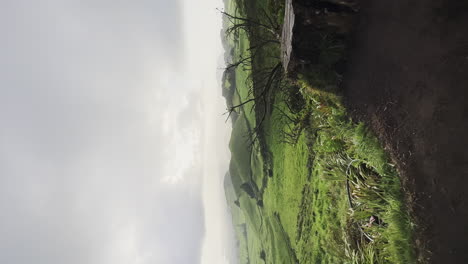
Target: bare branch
246 24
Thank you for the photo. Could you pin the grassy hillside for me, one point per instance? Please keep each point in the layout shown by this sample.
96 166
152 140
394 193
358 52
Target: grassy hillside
306 183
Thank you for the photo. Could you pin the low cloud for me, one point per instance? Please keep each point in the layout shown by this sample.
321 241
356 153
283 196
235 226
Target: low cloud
84 89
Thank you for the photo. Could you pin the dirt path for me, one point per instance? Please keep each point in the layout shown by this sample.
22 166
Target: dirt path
408 78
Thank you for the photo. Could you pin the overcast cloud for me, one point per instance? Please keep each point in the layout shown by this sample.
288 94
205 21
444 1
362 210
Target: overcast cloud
109 134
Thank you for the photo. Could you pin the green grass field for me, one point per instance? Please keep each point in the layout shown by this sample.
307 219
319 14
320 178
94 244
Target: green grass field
329 194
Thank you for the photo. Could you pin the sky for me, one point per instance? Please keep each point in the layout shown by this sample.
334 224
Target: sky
113 143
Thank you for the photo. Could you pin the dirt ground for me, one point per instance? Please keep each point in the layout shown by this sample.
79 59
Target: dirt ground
408 79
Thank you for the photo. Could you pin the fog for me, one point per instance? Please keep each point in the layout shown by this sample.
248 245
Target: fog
114 146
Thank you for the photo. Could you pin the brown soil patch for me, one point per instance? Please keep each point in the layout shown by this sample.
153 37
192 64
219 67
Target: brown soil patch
408 79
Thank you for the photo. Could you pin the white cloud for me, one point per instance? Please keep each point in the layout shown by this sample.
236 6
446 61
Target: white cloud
96 109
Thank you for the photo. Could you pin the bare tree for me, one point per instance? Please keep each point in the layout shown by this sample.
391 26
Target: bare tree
260 102
264 79
247 24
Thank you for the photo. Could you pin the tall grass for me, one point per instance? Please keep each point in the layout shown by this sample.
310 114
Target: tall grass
350 155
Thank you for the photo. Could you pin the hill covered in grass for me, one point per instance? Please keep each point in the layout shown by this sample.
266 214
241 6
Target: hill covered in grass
306 184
